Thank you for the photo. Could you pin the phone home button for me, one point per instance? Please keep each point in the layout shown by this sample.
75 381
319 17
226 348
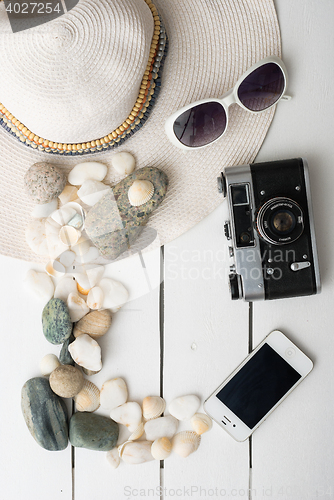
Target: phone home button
290 352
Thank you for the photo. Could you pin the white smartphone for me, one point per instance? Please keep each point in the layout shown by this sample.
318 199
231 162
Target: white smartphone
253 391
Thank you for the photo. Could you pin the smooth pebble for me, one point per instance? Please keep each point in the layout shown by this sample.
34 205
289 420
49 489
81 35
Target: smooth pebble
184 407
64 287
86 352
44 210
124 163
77 307
57 325
95 298
92 431
85 171
92 191
48 363
128 414
161 427
44 182
70 193
113 393
115 294
66 381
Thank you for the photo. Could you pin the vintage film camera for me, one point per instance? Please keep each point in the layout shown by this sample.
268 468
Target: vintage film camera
271 230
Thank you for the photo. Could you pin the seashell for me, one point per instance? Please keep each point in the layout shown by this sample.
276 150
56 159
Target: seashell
113 458
55 269
128 414
186 442
76 221
77 307
42 238
41 284
201 423
63 215
137 452
153 407
140 192
66 381
67 258
121 447
81 247
92 254
69 236
49 363
89 373
115 294
88 399
124 163
92 191
95 324
86 352
161 448
44 210
184 407
114 393
83 284
87 170
65 287
69 194
137 433
95 298
161 427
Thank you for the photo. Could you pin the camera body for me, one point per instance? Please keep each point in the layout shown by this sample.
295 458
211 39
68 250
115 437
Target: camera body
271 230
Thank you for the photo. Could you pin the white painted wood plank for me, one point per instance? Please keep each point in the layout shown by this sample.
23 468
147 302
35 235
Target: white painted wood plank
206 337
131 350
26 469
292 450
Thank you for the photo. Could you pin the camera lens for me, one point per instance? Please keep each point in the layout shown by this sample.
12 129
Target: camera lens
283 222
280 221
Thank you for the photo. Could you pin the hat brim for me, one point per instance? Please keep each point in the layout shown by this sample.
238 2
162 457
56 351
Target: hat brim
210 45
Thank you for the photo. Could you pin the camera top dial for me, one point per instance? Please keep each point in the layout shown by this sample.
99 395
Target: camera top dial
280 221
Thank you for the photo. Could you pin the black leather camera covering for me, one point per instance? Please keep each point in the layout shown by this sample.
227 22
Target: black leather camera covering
280 178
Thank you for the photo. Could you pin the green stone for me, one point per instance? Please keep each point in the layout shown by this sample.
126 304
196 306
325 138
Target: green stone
57 325
45 414
64 356
113 224
94 432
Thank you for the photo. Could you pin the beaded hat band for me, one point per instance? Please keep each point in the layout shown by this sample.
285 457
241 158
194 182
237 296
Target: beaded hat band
149 90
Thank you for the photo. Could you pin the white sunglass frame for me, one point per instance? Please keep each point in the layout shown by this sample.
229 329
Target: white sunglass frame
230 97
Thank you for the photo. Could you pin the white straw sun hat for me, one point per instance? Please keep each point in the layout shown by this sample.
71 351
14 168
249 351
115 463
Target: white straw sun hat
81 87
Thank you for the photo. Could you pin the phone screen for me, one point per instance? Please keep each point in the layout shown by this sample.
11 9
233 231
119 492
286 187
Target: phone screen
258 386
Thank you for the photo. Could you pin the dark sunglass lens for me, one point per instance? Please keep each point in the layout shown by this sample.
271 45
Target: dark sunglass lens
200 125
262 88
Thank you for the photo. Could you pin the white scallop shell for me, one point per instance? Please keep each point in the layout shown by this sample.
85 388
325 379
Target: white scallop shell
86 352
49 363
88 399
140 192
124 163
87 170
128 414
77 307
137 452
161 448
41 285
201 423
113 458
184 407
153 407
137 433
161 427
185 442
114 393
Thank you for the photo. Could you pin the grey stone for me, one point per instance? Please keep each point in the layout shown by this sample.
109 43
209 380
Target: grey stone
64 357
94 432
45 414
57 325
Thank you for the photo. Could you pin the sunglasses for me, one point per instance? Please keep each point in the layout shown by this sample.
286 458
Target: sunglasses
203 122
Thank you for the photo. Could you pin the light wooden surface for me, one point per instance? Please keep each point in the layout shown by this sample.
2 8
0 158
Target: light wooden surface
186 335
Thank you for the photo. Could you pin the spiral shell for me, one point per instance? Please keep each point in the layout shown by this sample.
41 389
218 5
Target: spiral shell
161 448
153 407
140 192
201 423
137 433
95 324
88 399
185 443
